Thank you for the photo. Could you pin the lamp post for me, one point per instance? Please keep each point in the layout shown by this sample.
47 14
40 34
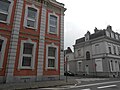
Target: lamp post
66 67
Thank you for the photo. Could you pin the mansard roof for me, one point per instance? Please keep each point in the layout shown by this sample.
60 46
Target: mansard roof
97 34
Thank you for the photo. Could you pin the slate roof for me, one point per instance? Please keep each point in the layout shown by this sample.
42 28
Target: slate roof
68 50
92 36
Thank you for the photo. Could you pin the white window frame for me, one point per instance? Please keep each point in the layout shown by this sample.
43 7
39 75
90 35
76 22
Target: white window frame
79 66
49 23
118 50
99 65
79 52
3 50
111 65
21 55
116 66
9 12
26 18
97 49
56 59
114 49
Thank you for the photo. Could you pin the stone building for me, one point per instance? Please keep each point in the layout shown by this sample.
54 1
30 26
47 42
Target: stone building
98 54
31 40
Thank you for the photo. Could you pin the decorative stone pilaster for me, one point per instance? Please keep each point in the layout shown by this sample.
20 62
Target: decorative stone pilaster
62 48
41 44
14 42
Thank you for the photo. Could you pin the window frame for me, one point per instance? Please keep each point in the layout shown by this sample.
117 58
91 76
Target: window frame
26 18
97 49
21 55
118 50
79 66
56 57
114 49
111 65
3 50
88 57
8 13
49 14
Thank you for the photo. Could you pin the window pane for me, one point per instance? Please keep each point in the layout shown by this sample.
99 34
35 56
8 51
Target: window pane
53 29
4 5
30 23
54 18
32 13
27 48
3 17
51 63
51 51
26 61
53 23
1 42
87 55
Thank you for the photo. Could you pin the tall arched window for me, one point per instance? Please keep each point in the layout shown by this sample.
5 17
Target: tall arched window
87 55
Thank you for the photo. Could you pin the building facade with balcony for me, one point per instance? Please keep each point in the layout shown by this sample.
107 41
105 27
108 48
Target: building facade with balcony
98 54
31 40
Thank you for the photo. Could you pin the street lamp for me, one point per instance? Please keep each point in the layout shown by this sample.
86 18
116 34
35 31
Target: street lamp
66 67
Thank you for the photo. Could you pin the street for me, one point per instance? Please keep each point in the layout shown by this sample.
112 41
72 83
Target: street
89 84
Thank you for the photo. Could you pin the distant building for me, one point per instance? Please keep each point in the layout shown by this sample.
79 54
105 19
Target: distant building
68 57
98 54
31 40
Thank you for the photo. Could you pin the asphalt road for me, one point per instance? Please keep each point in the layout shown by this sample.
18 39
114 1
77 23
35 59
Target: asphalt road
111 84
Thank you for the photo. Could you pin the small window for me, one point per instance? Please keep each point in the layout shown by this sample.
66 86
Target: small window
53 24
3 42
51 56
87 55
97 49
114 48
111 65
31 17
79 66
109 50
79 52
4 10
119 50
27 55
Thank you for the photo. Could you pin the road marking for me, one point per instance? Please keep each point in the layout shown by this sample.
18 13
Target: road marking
94 84
53 88
106 86
74 86
85 89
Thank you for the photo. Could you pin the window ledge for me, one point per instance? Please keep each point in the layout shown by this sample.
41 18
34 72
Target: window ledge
31 28
5 22
52 33
26 68
53 68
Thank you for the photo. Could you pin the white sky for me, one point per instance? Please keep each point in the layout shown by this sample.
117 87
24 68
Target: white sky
84 15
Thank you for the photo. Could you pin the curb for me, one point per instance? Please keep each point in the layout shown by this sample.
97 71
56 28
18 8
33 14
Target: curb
35 85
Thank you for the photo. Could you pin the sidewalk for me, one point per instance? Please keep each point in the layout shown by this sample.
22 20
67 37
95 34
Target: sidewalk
33 85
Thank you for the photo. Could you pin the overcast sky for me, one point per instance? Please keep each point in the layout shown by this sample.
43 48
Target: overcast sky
84 15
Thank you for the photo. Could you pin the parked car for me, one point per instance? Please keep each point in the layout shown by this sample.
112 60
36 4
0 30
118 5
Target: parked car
68 73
